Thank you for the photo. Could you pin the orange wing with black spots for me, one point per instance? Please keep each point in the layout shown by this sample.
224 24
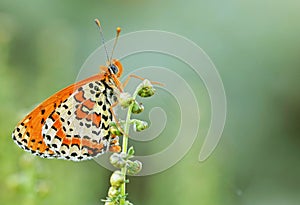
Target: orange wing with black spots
72 124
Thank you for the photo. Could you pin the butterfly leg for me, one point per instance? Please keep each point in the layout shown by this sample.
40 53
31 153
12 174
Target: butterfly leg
115 117
115 140
141 78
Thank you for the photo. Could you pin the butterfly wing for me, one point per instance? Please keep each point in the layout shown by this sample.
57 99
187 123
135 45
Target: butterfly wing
72 124
79 128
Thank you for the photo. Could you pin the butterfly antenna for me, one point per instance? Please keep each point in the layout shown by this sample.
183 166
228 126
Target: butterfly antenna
118 30
102 37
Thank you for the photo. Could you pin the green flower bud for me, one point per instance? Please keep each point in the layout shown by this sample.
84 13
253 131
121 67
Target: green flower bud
118 160
139 125
146 89
134 167
125 100
137 108
117 178
113 192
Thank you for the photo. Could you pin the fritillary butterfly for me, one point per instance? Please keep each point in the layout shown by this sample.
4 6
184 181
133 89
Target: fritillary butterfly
74 123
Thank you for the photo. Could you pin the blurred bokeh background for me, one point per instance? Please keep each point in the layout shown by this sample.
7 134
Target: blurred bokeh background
255 46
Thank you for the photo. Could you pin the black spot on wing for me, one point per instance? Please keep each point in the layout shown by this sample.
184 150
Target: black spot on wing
105 117
73 154
42 111
104 127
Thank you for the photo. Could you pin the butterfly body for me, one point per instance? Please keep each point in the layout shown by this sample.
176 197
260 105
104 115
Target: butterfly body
73 124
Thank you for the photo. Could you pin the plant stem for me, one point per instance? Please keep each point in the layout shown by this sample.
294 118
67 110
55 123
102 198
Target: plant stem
125 144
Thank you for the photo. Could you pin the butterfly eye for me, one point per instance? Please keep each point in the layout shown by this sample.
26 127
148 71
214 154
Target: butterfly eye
114 69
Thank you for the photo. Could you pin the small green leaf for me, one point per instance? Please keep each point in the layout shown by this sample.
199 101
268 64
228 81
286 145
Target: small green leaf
131 151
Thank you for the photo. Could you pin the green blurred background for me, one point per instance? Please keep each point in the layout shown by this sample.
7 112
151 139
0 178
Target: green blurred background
254 44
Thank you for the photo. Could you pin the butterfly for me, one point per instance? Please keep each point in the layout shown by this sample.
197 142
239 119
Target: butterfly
74 123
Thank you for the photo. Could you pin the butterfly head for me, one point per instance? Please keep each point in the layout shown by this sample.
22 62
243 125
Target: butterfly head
115 67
